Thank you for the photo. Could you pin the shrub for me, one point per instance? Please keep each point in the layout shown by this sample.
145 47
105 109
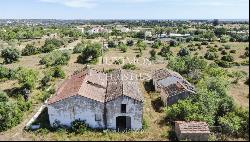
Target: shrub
157 44
129 67
200 47
233 51
204 43
228 58
90 54
123 48
209 46
46 80
3 97
211 56
223 64
118 62
245 63
213 50
165 52
152 54
227 47
10 55
130 43
246 54
48 48
111 44
193 49
221 48
173 43
184 52
6 73
225 38
224 52
79 126
10 114
236 123
30 50
55 58
27 77
79 48
57 72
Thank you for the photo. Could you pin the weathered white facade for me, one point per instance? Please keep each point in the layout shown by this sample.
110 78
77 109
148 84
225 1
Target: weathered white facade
134 111
102 103
74 108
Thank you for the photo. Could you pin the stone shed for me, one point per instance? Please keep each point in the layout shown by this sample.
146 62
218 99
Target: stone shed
172 86
194 131
104 101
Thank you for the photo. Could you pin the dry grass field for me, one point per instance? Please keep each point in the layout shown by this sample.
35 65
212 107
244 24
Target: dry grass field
157 129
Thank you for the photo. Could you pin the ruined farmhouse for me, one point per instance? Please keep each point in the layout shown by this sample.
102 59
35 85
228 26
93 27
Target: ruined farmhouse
103 101
172 86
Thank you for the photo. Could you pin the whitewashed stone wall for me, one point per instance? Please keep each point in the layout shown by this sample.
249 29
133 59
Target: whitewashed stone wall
134 111
77 107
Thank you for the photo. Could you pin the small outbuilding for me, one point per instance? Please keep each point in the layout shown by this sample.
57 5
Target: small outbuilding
194 131
172 86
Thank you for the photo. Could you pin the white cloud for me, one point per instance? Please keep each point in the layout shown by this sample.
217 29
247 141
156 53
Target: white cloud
91 3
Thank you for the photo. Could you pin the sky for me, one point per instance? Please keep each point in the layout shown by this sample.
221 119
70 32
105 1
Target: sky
124 9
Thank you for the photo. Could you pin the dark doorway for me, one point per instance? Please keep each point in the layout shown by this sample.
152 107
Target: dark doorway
123 123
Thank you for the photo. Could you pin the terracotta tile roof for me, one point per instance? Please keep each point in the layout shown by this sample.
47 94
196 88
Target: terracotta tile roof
87 83
69 88
192 127
175 89
165 73
98 86
121 82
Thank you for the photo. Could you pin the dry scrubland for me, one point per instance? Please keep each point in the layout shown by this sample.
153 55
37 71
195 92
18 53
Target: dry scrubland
154 117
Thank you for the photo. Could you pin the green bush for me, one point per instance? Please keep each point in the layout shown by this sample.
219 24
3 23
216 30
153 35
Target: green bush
79 127
227 47
221 48
10 55
173 43
204 43
90 54
183 52
223 64
236 123
166 52
27 78
211 56
123 47
111 44
129 67
55 58
30 50
233 51
6 73
157 44
57 72
152 54
79 48
228 58
130 43
224 52
118 62
213 50
3 97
